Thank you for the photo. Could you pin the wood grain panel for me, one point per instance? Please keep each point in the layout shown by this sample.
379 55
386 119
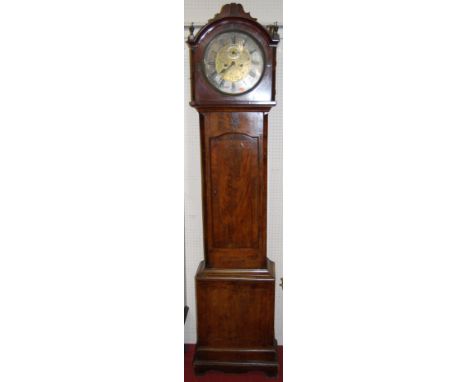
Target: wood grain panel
234 190
234 314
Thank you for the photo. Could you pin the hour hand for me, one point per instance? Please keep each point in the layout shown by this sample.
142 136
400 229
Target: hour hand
226 68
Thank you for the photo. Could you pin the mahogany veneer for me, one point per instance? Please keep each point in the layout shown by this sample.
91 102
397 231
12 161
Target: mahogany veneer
235 284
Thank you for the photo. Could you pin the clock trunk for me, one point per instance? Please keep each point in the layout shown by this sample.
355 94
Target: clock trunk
234 163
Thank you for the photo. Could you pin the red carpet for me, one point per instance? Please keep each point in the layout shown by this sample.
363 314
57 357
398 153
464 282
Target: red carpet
215 376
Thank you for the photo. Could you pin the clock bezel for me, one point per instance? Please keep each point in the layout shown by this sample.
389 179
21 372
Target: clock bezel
262 51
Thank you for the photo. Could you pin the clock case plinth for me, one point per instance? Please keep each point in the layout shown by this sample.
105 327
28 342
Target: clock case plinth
235 284
235 320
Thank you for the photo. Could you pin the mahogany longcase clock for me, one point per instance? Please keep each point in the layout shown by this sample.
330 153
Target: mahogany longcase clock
232 66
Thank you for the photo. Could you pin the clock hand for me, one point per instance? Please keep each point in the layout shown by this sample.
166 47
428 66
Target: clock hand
229 67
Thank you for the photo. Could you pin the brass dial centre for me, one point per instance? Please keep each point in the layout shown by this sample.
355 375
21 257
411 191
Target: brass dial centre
233 62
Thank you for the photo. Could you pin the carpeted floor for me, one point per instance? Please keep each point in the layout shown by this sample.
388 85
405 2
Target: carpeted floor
214 376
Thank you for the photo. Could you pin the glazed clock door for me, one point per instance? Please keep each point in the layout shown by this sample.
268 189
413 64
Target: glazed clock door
234 165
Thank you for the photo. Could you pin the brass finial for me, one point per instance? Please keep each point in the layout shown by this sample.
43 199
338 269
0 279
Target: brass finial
191 29
274 31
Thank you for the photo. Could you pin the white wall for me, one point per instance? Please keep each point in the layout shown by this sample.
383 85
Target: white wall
265 11
199 12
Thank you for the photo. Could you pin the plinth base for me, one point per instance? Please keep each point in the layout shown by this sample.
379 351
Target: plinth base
270 369
236 360
235 320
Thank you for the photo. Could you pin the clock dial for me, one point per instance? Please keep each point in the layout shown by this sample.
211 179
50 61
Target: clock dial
233 62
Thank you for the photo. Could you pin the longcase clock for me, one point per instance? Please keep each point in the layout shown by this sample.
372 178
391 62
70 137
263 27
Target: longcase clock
232 66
